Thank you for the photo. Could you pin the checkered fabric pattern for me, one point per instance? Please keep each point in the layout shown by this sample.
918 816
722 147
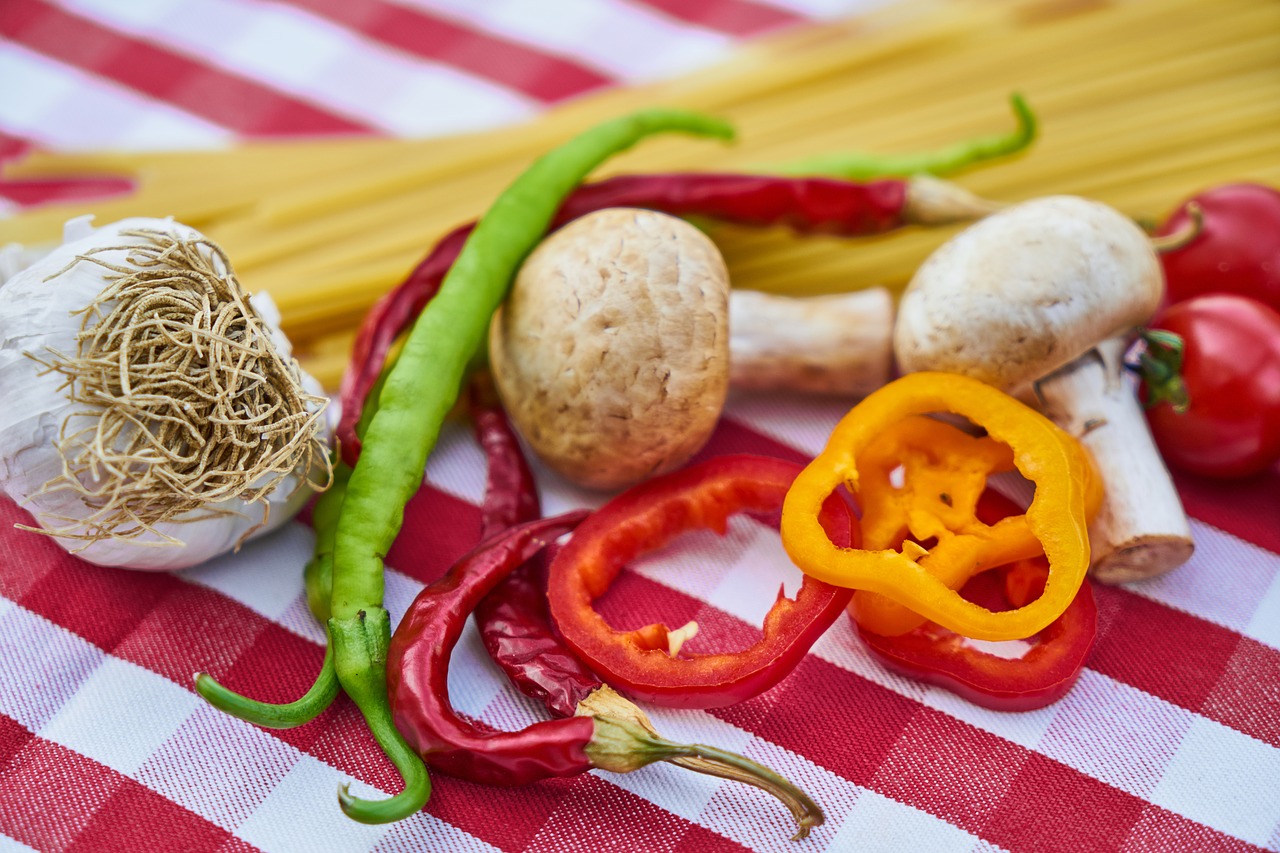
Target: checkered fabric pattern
1170 741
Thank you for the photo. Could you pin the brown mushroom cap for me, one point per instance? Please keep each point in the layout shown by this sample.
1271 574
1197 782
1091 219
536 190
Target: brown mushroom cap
611 354
1027 290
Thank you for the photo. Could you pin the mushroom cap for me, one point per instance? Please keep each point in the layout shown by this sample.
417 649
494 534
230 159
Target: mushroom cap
611 353
1026 291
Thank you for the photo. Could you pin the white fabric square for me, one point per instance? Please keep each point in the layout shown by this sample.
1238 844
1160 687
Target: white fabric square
757 820
218 767
1224 779
301 813
474 681
1265 624
298 619
802 421
879 824
457 464
1116 733
756 566
679 791
44 666
121 715
266 575
423 832
281 46
1223 582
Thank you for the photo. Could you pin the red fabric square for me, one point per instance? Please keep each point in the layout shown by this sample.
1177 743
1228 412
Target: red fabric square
950 769
342 738
48 794
193 629
25 557
13 737
835 719
103 605
438 529
1183 672
136 818
472 807
1051 807
1247 697
600 816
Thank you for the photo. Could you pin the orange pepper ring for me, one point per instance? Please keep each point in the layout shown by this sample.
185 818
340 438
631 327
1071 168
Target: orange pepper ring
1042 452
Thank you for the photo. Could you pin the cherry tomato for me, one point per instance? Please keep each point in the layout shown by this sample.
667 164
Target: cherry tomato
1231 371
1237 250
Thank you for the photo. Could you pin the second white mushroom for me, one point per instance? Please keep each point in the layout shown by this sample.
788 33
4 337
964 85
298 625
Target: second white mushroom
1042 298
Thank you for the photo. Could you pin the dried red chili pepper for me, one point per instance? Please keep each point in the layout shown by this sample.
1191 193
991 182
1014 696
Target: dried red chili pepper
647 516
515 625
806 205
1040 677
417 682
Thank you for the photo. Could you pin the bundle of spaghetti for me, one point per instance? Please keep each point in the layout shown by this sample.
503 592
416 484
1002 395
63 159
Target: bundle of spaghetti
1141 103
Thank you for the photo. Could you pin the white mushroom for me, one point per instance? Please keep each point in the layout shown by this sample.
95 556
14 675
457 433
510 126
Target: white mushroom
613 357
1041 297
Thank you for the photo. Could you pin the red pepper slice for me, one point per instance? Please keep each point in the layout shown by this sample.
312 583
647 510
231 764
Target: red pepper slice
645 518
1042 676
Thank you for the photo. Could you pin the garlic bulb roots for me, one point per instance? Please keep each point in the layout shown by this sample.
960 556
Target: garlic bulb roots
156 417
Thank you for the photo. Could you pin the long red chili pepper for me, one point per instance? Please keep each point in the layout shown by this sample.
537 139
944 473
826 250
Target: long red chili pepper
417 682
806 205
515 624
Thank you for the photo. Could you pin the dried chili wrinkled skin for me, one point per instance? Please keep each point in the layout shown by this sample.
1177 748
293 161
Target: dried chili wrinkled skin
418 667
513 620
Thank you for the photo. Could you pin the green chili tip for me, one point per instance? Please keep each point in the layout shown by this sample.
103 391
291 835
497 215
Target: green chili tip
285 716
943 162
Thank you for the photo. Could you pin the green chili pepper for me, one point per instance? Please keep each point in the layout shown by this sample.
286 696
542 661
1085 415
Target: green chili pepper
417 393
857 166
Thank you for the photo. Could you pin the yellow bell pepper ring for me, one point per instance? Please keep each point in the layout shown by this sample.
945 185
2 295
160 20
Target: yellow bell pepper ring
913 574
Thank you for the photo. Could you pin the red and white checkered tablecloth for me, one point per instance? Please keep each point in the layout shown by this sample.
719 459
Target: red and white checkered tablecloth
1170 741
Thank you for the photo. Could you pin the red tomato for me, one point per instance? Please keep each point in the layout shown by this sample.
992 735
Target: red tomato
1231 367
1238 250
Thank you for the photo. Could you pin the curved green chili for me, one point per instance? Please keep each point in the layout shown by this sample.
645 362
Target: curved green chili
423 384
417 394
318 576
940 163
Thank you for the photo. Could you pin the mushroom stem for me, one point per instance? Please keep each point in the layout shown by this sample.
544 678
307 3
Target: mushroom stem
835 344
1141 529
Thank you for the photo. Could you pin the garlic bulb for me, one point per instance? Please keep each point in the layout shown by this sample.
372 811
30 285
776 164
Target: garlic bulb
153 416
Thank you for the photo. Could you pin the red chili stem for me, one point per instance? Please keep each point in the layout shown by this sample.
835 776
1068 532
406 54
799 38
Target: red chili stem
806 205
418 666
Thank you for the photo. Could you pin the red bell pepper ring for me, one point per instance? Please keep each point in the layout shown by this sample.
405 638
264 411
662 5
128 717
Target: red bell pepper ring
646 517
1040 677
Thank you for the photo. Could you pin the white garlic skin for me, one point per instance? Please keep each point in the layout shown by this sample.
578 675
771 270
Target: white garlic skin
35 316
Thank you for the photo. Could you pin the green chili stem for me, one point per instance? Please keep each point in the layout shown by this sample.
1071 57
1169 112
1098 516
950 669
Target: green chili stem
359 647
859 166
286 716
423 384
